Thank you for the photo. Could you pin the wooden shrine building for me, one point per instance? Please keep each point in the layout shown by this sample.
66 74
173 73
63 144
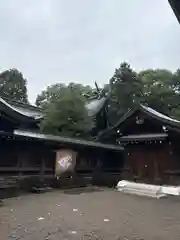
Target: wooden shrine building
151 141
27 154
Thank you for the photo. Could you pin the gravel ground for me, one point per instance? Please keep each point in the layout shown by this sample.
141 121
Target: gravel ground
105 214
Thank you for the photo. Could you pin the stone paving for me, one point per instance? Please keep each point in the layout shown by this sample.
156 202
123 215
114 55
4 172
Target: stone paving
105 214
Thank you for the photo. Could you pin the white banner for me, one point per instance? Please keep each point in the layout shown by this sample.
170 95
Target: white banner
65 161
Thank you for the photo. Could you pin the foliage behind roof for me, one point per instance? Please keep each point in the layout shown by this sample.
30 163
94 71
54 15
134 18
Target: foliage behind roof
29 112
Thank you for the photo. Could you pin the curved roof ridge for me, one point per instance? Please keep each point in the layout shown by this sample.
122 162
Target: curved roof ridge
21 104
158 114
148 110
30 115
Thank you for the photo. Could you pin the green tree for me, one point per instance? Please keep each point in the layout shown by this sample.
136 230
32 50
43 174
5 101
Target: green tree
176 81
53 92
126 90
175 110
13 85
159 90
67 115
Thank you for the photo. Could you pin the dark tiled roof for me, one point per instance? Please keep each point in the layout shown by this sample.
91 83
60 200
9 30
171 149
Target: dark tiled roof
93 107
26 112
21 104
60 139
20 109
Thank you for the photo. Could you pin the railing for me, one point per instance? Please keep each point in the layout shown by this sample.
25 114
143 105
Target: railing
23 169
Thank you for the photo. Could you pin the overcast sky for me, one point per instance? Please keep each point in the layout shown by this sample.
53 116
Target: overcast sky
53 41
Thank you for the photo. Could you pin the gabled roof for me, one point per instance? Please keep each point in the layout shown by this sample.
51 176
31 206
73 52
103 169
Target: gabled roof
175 4
19 110
152 113
23 108
160 116
147 110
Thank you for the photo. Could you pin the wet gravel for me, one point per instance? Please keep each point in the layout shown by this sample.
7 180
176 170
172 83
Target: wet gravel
105 214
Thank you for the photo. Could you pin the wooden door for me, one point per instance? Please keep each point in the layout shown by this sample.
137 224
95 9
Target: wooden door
148 167
142 163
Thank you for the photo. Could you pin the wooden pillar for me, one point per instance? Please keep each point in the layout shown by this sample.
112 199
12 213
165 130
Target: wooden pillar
42 170
19 164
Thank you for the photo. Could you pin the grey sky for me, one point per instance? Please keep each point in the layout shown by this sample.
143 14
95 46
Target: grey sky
85 40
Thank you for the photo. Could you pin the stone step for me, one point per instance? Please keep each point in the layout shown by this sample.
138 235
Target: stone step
140 189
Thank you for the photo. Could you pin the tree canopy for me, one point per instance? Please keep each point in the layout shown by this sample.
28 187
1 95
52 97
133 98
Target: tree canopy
64 105
53 93
13 85
157 88
126 90
66 114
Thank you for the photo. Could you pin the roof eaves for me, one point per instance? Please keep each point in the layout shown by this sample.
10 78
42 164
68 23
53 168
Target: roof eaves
19 114
21 104
145 109
67 140
117 125
159 116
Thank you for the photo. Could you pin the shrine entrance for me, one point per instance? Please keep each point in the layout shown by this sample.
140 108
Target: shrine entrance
151 142
144 163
